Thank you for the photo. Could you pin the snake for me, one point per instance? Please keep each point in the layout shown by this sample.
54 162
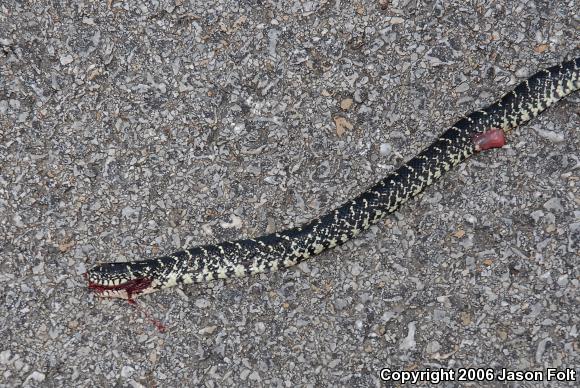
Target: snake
480 130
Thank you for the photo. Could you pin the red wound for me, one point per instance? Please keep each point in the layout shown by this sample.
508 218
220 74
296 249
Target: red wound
132 287
492 138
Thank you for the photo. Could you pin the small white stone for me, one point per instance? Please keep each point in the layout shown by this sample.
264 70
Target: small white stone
127 371
562 280
395 20
386 149
5 357
409 342
202 303
66 59
236 223
554 204
208 330
355 270
536 215
433 347
36 376
260 327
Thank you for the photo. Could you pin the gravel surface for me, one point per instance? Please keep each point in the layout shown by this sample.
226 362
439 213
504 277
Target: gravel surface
130 129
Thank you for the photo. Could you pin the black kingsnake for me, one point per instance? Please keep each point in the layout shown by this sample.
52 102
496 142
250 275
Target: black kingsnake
480 130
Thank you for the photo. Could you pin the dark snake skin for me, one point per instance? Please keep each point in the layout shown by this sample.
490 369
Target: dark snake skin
289 247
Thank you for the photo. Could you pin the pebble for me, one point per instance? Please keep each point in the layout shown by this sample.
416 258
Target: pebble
562 280
254 376
537 215
5 357
433 347
342 125
127 371
541 349
66 59
208 330
552 136
36 376
260 327
202 303
346 104
462 88
356 269
386 149
554 204
409 343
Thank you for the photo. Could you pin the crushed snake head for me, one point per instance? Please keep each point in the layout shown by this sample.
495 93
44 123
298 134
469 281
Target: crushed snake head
118 280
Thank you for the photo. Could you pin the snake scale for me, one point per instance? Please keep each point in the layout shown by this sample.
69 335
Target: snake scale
478 131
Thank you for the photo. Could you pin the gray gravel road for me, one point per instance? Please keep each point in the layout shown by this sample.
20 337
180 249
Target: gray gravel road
129 129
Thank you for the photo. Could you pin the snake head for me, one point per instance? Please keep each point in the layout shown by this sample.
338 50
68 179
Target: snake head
120 280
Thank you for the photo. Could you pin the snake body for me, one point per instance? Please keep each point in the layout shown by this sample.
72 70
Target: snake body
291 246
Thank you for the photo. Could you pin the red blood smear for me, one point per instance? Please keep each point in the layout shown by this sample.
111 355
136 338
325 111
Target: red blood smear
132 287
492 138
157 323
